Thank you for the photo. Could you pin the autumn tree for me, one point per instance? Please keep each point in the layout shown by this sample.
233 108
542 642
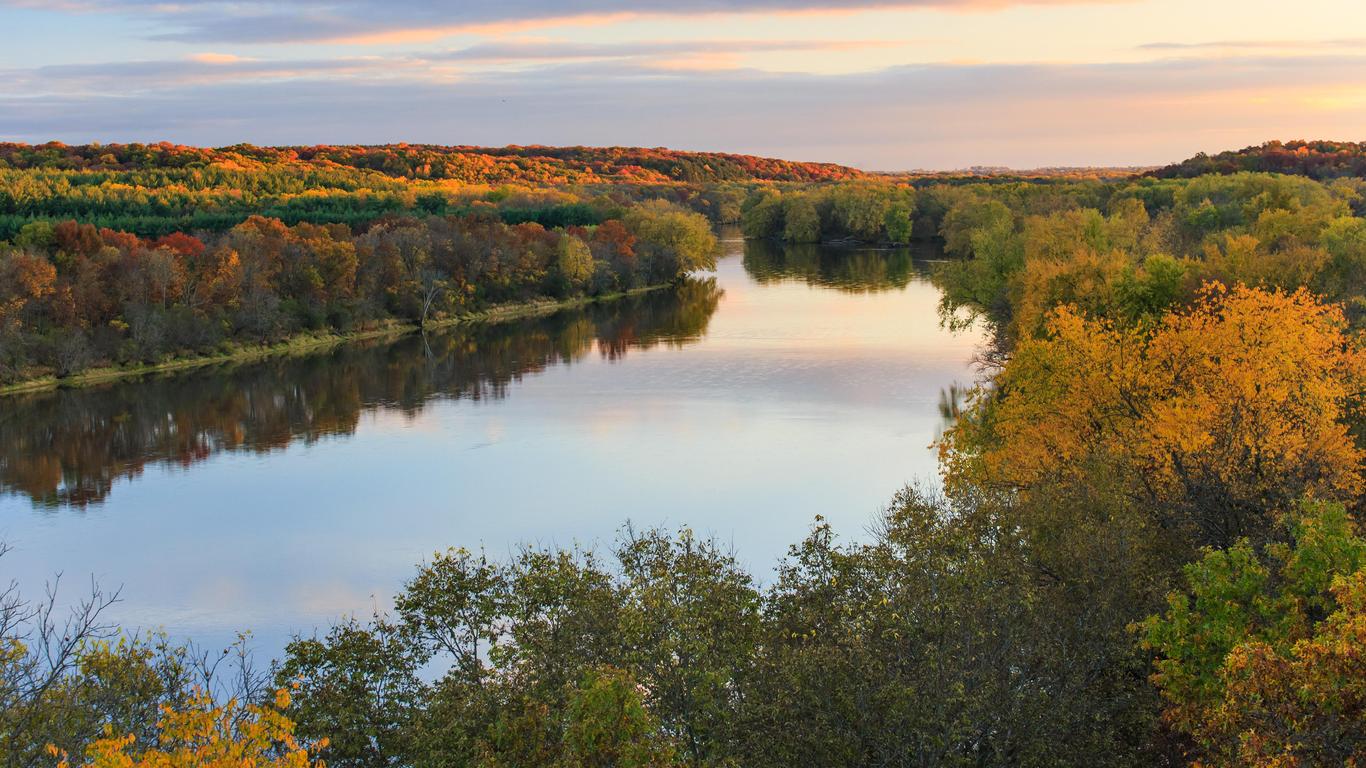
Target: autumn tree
77 685
573 260
1215 420
206 735
25 280
260 246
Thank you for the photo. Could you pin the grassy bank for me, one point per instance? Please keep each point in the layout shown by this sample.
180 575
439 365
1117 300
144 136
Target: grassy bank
306 343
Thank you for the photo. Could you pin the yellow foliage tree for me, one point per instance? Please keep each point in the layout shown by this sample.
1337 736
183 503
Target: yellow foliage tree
207 736
1087 276
1216 419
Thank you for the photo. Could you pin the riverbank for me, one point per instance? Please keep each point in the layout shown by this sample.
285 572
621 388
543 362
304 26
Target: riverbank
306 343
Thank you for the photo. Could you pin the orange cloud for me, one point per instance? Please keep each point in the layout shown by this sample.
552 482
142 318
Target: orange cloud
216 58
699 62
515 26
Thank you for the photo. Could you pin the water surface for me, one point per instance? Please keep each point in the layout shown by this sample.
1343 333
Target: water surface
279 495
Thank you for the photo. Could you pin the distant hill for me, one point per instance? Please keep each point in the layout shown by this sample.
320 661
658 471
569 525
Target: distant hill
1001 174
472 165
1315 159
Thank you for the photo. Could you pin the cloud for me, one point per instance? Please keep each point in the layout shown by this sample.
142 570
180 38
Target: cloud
542 51
931 116
564 58
1258 45
228 21
128 78
216 58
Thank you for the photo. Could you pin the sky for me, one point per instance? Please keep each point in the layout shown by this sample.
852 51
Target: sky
877 84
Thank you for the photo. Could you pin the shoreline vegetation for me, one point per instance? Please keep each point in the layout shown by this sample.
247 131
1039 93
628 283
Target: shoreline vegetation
310 342
80 301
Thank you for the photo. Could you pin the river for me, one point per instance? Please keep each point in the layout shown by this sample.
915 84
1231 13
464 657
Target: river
277 496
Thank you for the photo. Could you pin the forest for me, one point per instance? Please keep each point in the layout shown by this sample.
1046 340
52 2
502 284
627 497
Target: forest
1146 551
155 190
470 165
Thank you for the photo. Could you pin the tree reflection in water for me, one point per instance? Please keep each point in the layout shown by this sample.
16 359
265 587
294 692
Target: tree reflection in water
68 447
853 270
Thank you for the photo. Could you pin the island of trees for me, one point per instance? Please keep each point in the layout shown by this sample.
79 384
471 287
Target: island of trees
1147 550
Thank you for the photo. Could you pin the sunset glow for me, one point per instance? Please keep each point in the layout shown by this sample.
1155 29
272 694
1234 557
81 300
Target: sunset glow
884 84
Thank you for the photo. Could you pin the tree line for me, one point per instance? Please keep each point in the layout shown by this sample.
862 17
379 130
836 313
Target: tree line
869 213
1316 159
1132 252
74 296
534 165
156 201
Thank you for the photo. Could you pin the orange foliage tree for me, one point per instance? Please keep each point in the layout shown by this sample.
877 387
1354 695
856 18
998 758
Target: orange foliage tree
1216 419
24 278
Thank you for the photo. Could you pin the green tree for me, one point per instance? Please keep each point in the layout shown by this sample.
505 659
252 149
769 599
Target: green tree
936 643
1344 273
762 215
689 620
671 240
861 210
984 234
357 687
898 221
37 235
801 221
608 726
1260 660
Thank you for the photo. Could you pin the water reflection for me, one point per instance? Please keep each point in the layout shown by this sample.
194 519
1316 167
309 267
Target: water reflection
277 496
854 270
69 447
